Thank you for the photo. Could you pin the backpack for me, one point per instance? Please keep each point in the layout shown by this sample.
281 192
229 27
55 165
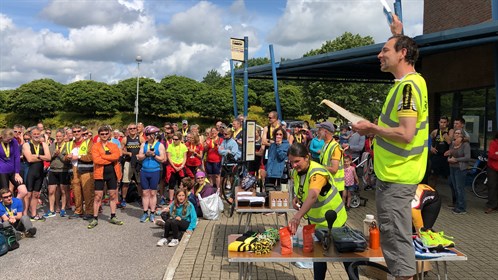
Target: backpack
9 234
4 248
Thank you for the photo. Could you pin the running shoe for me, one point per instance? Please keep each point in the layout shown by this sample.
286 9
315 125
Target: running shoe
87 217
144 218
75 216
49 214
429 239
37 218
457 212
173 243
63 213
159 222
115 221
123 203
93 224
162 201
152 217
444 239
162 242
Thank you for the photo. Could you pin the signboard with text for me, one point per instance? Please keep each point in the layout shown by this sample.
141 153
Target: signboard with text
237 48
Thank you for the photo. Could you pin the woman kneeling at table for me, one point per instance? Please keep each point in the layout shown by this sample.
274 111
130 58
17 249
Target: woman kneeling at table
315 194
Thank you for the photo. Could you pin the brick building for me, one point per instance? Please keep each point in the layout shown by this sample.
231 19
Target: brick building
461 82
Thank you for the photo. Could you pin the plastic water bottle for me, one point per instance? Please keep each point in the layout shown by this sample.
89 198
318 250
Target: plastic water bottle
369 219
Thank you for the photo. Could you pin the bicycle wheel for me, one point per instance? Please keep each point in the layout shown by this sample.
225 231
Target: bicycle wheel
480 185
355 200
228 188
470 175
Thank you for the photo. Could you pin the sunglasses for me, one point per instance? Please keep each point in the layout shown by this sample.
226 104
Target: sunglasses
17 131
9 196
200 178
279 134
131 128
84 134
48 132
104 133
76 131
175 139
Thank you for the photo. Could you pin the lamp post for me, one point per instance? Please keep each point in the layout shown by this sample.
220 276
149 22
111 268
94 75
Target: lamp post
138 59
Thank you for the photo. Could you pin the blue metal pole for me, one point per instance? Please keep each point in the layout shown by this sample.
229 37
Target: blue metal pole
399 11
275 84
234 93
246 74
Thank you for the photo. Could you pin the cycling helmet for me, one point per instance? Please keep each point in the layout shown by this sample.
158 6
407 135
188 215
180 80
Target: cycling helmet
248 182
150 129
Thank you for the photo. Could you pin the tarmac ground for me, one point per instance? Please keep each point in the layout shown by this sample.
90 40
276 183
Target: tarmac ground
65 249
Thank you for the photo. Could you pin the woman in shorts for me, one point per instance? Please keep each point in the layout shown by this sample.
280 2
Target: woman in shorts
10 164
152 154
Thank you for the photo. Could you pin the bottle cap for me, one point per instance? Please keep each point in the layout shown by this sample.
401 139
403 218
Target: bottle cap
369 217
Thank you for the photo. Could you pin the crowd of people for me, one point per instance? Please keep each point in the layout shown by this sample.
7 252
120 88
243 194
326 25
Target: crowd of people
172 165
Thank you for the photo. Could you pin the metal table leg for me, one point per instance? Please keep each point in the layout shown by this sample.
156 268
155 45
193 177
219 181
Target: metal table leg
248 221
240 221
438 273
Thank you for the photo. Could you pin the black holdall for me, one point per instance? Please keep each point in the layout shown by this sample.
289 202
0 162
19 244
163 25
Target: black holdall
345 239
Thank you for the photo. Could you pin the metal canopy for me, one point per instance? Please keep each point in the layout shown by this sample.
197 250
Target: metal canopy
361 64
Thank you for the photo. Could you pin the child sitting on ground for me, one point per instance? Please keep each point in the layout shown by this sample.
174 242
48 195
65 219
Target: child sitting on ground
182 218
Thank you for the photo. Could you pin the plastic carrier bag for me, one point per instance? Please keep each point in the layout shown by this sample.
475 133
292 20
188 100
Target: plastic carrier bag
211 206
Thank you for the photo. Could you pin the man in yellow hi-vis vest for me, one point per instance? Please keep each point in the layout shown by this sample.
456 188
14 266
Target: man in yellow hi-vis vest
400 150
331 155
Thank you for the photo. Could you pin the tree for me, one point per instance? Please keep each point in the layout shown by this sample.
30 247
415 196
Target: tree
291 101
345 41
4 95
361 98
215 103
212 77
183 91
128 90
89 97
37 99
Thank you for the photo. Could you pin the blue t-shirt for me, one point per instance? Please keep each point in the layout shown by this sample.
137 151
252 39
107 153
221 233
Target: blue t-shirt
15 207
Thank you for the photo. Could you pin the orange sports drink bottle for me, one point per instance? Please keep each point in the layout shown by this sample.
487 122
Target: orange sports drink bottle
374 236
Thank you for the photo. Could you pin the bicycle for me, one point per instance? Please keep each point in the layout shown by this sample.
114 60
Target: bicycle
480 182
365 170
231 172
477 177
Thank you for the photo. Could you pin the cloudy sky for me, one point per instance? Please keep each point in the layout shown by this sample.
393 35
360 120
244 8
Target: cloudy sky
71 40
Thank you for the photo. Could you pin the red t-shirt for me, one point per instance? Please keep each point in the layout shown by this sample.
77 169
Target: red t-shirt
212 149
493 155
193 159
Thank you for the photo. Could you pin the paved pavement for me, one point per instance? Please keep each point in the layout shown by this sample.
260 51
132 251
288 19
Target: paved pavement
66 249
204 254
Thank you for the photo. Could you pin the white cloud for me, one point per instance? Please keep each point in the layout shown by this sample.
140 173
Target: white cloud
175 37
5 22
307 24
76 14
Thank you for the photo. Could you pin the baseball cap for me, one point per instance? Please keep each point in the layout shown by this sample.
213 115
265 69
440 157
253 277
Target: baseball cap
184 122
326 125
